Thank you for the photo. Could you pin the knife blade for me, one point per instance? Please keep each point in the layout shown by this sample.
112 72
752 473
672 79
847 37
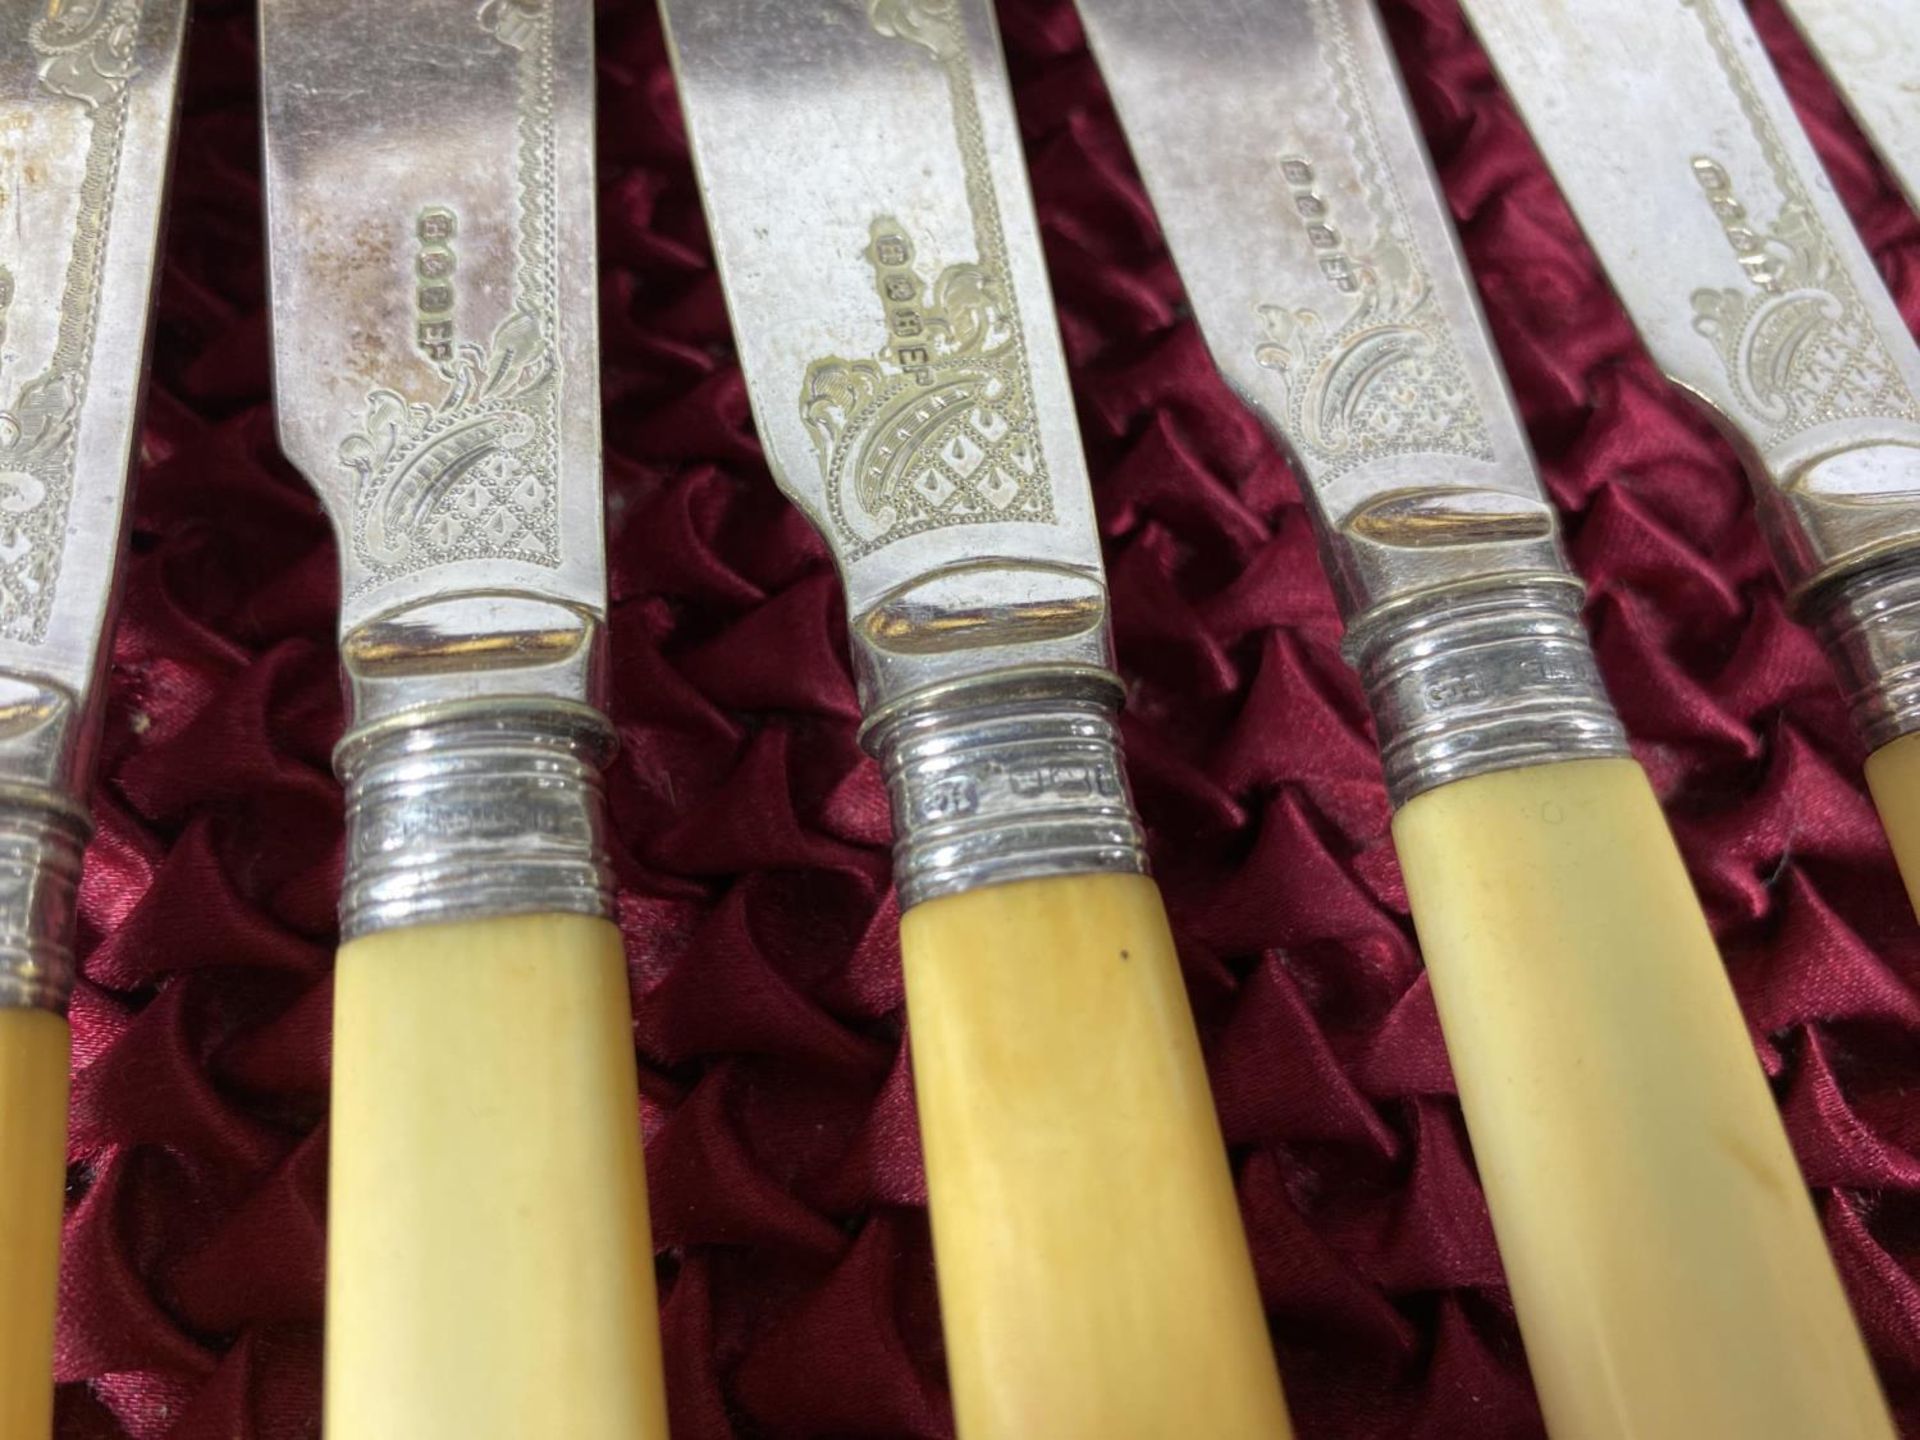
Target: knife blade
429 189
87 106
860 167
1739 268
1871 51
1668 1278
1330 288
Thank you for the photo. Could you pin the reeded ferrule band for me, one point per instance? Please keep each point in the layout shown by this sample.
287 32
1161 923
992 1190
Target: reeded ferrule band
1463 683
471 810
42 838
1870 623
1013 778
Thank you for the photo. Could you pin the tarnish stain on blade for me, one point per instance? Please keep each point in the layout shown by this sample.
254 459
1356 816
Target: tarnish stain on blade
468 474
430 209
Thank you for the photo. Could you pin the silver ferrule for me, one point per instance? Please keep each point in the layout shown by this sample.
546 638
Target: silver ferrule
42 838
1464 682
1012 777
1869 623
475 809
47 739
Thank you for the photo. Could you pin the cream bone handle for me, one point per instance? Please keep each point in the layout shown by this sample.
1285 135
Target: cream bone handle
489 1266
1094 1277
34 1052
1667 1266
1893 779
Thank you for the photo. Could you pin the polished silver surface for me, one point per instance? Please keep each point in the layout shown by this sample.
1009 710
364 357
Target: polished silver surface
1871 49
447 814
1467 681
1870 626
1299 203
429 180
1681 156
1012 779
41 843
861 170
1296 194
87 99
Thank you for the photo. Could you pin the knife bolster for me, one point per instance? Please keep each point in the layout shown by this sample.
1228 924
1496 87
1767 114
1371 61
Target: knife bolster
42 837
1869 622
1015 776
1472 679
468 810
47 739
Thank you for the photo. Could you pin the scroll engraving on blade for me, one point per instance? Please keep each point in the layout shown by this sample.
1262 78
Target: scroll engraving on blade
939 428
472 476
1374 371
1798 344
85 54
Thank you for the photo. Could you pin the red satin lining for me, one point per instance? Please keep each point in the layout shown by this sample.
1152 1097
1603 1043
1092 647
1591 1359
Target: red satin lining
782 1151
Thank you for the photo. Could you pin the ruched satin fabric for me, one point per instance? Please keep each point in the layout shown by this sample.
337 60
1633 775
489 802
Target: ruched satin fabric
752 832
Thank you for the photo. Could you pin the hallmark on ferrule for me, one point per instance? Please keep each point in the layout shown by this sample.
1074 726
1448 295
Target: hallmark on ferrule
1484 679
474 811
1009 784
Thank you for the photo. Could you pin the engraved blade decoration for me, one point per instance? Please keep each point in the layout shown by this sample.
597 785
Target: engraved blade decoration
429 179
1678 150
1311 234
1299 202
867 198
87 101
1871 49
89 94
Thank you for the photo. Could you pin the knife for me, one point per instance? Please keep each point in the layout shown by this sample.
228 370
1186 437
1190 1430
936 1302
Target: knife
864 187
1667 1268
1731 252
1871 51
87 105
429 187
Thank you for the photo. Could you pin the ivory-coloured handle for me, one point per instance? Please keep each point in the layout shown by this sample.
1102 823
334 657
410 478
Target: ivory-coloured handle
1893 778
1666 1263
1094 1278
34 1051
489 1267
